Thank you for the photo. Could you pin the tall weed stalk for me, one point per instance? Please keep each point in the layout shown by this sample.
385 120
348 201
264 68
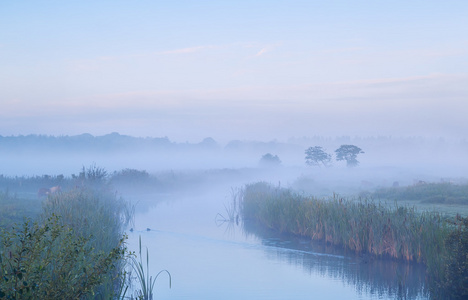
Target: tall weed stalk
145 280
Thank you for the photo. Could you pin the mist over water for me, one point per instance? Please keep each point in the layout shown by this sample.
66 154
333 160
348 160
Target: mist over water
240 261
189 187
385 158
180 101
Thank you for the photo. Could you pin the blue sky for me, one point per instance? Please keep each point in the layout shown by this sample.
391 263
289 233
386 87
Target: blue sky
234 69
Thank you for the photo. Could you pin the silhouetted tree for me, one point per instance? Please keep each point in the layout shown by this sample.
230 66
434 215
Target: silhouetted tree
269 160
348 153
315 156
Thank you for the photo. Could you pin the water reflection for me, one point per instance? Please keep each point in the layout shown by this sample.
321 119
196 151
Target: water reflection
377 277
210 255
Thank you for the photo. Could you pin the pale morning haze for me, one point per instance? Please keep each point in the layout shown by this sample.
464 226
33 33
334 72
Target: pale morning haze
261 149
234 69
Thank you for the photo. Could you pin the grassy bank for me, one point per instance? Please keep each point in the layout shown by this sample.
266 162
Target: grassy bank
361 226
65 245
69 244
445 197
430 193
13 208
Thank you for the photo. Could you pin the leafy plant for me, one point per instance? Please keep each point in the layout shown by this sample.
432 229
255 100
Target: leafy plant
49 261
453 281
145 280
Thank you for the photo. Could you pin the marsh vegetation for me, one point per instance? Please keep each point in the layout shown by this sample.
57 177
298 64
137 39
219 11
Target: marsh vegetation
88 218
367 227
69 244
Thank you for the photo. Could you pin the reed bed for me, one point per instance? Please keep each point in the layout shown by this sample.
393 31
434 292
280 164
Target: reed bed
361 226
91 212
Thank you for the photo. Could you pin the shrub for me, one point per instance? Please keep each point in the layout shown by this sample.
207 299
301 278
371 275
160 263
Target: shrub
50 261
454 281
129 176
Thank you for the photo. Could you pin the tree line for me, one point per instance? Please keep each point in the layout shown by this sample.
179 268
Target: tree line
317 156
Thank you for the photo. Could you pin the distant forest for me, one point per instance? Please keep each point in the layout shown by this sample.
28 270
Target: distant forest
115 142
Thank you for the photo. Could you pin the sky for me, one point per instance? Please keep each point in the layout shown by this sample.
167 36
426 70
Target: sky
229 70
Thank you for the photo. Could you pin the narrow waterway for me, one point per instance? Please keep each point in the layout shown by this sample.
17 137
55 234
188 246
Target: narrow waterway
232 260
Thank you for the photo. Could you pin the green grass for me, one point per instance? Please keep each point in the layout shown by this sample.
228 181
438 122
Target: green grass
441 193
13 209
447 198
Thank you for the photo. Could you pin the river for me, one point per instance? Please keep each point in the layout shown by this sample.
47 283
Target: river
211 259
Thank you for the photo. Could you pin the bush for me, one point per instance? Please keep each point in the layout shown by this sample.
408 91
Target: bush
50 261
269 160
75 250
454 284
129 176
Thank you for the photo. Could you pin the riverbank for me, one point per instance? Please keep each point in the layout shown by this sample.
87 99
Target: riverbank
362 226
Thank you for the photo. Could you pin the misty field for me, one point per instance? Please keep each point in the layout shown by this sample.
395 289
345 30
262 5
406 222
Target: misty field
444 197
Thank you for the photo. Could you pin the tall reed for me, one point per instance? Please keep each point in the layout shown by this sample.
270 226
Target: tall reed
97 215
91 212
145 280
399 232
361 226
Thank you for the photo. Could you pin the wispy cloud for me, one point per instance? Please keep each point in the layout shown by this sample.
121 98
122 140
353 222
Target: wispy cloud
186 50
267 49
344 50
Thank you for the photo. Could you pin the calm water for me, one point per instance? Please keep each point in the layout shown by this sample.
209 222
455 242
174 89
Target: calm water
236 261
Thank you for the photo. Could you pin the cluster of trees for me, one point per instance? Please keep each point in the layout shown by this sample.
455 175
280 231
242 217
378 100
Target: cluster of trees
316 156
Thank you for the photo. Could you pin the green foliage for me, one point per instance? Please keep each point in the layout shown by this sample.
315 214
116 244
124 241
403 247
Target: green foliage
51 261
348 153
13 209
75 250
90 225
316 156
453 281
